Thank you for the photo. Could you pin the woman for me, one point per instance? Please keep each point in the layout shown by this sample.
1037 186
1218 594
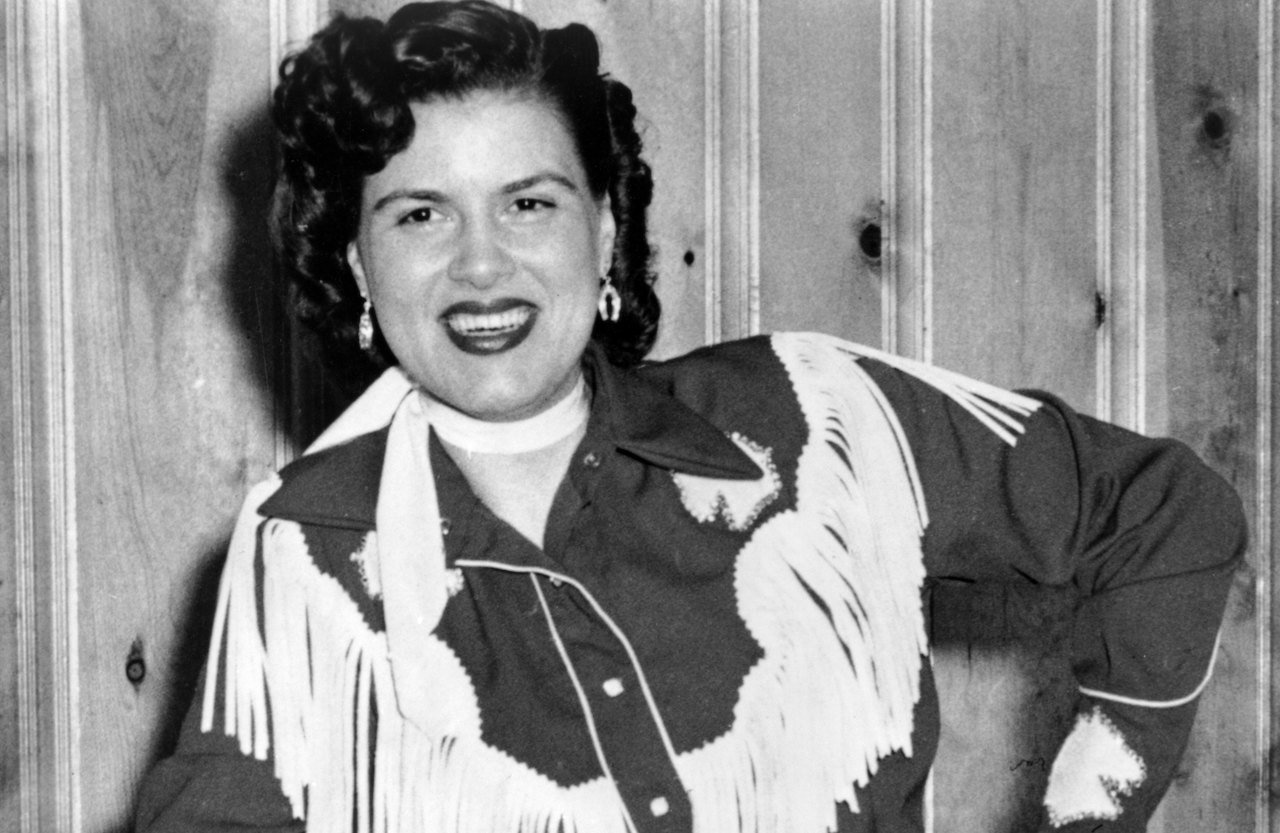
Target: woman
527 583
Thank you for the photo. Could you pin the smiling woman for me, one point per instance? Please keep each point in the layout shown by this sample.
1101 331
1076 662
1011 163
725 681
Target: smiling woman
482 249
530 583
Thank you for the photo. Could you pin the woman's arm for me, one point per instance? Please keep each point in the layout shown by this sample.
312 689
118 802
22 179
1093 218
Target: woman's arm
209 785
1147 534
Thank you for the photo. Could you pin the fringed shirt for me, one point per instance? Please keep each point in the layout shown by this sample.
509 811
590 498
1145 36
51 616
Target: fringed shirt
725 629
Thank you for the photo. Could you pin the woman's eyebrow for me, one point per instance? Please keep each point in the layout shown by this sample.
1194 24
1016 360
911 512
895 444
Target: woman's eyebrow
427 195
539 179
408 194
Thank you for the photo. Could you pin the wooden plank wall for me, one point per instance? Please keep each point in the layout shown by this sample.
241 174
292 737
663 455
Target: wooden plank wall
1206 74
39 763
10 640
1076 195
145 338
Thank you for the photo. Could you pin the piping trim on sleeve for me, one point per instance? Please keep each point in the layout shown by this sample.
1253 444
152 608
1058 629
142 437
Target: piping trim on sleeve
1162 704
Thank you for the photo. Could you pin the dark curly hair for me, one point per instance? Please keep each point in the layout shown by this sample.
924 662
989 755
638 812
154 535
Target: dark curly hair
342 109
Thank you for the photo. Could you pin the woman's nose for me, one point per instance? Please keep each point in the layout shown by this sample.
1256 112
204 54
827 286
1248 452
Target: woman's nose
481 259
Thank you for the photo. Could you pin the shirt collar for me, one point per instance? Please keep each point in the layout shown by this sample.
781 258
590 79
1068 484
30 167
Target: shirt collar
647 421
642 418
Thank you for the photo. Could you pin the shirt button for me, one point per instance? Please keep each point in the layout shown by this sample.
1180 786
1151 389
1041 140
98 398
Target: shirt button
556 582
591 460
613 687
659 807
445 526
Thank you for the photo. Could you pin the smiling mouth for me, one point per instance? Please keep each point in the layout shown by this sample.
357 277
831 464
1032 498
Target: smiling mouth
484 329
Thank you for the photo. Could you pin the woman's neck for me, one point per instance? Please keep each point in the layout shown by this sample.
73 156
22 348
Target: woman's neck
515 468
519 488
478 436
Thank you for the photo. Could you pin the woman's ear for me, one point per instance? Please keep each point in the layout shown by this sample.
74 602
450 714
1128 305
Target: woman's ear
357 269
606 234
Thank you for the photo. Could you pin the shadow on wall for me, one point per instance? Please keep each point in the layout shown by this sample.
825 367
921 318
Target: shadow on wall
279 362
190 647
256 310
286 359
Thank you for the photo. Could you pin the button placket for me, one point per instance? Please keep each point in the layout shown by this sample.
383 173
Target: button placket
630 739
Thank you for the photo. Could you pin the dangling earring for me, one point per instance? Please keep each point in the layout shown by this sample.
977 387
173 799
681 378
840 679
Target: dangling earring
610 304
366 327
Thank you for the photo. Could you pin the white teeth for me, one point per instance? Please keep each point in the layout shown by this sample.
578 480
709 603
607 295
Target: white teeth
489 323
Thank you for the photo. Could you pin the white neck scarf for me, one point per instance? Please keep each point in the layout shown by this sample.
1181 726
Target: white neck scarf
477 436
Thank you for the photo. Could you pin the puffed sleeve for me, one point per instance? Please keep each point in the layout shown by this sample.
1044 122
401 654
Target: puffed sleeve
1145 532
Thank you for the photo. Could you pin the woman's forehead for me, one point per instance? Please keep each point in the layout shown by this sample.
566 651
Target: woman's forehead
486 136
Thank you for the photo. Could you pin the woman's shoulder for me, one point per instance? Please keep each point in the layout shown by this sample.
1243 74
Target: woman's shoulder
811 367
760 361
756 387
746 358
335 486
715 377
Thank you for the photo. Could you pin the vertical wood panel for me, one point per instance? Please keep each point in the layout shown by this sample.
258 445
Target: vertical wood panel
43 554
11 634
178 334
1268 676
907 176
731 138
819 167
1013 193
1128 238
17 767
1206 76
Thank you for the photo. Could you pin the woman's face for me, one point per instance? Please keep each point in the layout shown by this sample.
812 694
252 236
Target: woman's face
481 248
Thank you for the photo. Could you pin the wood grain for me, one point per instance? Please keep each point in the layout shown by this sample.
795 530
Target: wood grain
1013 150
1267 530
820 138
11 634
1206 89
39 73
177 335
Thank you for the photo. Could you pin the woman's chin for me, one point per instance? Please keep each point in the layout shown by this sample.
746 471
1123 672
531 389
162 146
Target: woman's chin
497 397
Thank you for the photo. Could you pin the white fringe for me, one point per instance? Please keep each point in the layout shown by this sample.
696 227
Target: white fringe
329 674
236 618
834 693
988 404
836 689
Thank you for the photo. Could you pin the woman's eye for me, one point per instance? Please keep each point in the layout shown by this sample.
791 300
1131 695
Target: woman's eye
425 214
531 204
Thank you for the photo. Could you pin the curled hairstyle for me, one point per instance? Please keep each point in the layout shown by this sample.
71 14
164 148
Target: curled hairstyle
342 109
